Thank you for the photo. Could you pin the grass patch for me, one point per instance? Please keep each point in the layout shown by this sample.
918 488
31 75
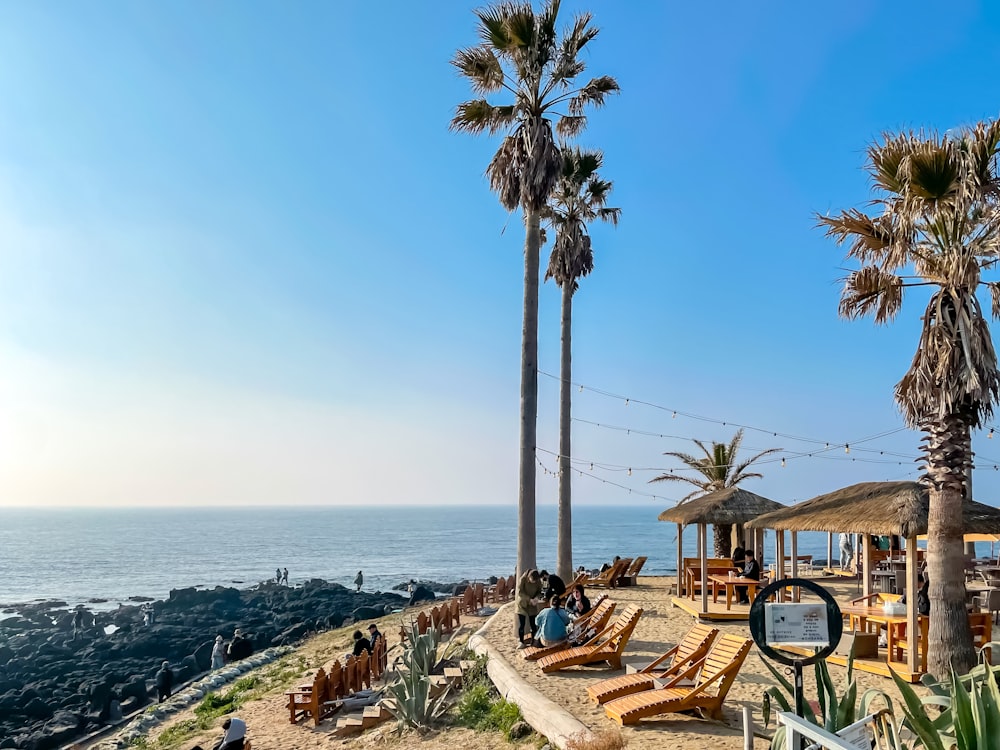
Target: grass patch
481 707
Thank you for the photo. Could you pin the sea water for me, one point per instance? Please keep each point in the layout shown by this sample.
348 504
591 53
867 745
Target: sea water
80 555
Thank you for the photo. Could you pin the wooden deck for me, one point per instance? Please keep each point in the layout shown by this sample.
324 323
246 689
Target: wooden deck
716 612
871 665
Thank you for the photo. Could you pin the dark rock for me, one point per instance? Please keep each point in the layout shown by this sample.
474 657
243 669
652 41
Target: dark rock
519 730
366 613
37 708
421 594
136 687
290 635
203 655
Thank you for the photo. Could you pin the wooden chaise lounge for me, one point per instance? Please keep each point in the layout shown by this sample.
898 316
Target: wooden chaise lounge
716 673
606 646
596 620
609 578
631 576
309 700
693 646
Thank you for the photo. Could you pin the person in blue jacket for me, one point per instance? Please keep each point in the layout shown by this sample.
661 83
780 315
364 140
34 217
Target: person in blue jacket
552 623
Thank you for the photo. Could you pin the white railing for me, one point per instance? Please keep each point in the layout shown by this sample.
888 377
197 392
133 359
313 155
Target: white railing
858 736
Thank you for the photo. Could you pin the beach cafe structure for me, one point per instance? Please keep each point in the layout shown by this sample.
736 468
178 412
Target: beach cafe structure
731 506
877 508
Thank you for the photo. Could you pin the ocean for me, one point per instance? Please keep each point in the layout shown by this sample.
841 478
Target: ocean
79 555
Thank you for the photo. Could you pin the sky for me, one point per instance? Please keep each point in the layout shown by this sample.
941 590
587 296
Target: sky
243 260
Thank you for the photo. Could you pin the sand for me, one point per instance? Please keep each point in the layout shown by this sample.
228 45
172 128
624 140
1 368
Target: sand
661 625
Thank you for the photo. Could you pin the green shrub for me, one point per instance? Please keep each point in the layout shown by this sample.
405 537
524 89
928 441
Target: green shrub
474 706
502 716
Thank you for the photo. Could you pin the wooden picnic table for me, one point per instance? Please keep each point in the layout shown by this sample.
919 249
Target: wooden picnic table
729 583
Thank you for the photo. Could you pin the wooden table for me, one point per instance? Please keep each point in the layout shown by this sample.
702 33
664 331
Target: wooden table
729 583
894 625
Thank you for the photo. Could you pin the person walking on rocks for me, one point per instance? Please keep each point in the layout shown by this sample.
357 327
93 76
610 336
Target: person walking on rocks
164 682
277 576
218 653
284 576
359 579
77 622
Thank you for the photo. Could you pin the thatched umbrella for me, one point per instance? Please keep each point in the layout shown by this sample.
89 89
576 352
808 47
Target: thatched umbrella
733 505
898 508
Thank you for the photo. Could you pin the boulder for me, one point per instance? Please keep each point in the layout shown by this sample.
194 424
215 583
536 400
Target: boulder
421 594
367 613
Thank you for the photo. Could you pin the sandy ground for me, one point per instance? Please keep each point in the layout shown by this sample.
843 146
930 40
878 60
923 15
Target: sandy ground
661 626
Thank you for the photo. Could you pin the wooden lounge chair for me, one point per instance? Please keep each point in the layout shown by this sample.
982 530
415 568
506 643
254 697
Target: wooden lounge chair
596 619
609 577
716 673
693 646
308 700
606 646
631 575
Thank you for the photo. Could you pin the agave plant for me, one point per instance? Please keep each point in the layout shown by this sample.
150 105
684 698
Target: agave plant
836 711
412 703
969 716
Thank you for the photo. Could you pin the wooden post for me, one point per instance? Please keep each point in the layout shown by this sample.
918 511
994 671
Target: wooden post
680 559
795 563
829 551
703 552
866 562
912 625
779 560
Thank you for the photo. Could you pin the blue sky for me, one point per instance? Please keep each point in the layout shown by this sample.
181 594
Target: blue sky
243 260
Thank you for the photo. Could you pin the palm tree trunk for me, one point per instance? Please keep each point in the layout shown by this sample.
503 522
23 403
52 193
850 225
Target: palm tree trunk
949 642
722 534
529 398
564 543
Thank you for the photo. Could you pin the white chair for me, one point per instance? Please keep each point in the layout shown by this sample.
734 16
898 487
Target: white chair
989 601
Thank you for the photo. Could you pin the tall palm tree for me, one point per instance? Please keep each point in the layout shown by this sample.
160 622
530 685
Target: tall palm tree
717 470
580 197
937 226
522 55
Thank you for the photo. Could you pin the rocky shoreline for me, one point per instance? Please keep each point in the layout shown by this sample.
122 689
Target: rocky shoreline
59 682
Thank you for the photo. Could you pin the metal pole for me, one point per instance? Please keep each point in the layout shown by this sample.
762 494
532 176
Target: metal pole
800 698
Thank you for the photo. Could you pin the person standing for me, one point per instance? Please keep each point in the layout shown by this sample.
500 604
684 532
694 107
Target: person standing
284 576
552 585
359 579
164 682
846 550
277 576
218 653
529 592
77 622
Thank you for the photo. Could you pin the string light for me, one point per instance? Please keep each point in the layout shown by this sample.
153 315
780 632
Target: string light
847 448
782 462
990 436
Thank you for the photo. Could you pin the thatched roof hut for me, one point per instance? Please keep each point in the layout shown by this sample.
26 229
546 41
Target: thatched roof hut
729 506
873 508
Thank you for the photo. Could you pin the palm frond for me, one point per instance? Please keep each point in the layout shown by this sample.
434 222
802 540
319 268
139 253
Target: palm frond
481 66
479 115
872 291
593 94
570 127
994 287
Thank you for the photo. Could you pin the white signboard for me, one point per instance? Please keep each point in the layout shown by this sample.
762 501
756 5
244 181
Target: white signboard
796 625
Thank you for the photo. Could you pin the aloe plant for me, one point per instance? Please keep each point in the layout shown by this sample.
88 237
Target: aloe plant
836 711
412 703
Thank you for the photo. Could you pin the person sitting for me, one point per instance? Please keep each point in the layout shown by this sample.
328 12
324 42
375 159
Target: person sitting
373 635
360 644
923 600
737 559
577 604
552 623
234 734
552 585
751 570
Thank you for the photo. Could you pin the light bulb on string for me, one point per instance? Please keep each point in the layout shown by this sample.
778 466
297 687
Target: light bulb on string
674 415
782 462
626 402
847 448
990 436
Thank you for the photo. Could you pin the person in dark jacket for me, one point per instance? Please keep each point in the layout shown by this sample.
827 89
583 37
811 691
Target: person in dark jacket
552 585
239 647
164 681
361 644
577 604
373 635
738 562
234 737
751 570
